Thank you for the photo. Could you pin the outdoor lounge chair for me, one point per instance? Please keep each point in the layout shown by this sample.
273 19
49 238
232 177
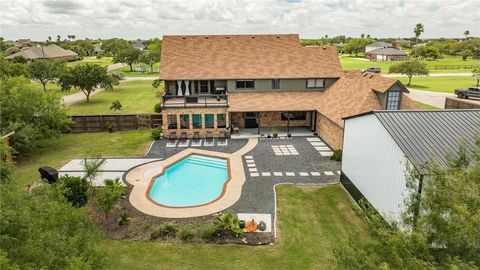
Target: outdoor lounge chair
183 138
222 138
196 138
172 136
209 138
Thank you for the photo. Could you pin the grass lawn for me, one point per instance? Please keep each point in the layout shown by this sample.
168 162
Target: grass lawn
135 97
439 84
353 63
104 61
55 88
128 73
312 222
427 106
57 151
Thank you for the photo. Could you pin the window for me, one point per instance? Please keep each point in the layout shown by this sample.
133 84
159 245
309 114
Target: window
294 116
209 120
184 121
315 83
197 120
221 123
276 84
393 100
203 87
172 121
245 84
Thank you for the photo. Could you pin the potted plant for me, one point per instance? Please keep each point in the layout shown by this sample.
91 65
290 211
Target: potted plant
275 134
269 136
262 226
241 224
289 135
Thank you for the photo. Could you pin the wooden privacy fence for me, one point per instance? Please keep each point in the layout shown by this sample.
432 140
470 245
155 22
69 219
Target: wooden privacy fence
101 122
456 103
438 67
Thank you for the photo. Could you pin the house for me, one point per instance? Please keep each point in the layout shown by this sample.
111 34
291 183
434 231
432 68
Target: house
379 146
265 81
51 51
138 45
377 45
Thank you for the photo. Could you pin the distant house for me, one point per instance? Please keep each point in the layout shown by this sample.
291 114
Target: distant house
379 146
51 51
377 45
386 54
138 45
97 48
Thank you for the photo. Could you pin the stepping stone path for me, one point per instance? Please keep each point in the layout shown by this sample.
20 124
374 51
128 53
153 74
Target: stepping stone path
284 150
320 146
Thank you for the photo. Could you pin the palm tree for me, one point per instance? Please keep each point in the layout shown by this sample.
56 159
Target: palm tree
58 38
466 34
50 38
368 36
362 35
418 30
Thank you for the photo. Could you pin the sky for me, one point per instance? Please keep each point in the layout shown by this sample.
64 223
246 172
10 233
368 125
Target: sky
144 19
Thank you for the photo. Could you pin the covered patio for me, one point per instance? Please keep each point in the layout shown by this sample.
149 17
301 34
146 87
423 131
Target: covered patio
246 133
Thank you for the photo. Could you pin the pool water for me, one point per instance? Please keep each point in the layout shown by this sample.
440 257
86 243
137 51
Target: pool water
192 181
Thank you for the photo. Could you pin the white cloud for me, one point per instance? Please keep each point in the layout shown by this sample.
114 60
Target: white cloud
310 18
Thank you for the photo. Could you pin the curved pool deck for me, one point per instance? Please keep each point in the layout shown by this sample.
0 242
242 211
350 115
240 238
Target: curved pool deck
141 176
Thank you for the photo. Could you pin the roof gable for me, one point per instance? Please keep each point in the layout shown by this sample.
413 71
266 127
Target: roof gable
245 57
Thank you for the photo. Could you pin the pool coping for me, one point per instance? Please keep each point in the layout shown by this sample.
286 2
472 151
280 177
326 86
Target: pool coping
140 178
224 188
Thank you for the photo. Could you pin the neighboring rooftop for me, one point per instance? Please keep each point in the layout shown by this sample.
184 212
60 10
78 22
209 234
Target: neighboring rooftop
387 51
423 135
380 44
245 57
51 51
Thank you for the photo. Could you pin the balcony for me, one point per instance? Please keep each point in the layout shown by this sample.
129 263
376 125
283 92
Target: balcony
194 101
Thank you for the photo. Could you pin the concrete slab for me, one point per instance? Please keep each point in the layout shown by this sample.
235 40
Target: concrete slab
267 218
74 165
124 164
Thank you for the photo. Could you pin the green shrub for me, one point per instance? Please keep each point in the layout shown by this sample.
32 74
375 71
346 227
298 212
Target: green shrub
75 190
157 108
275 134
337 155
186 234
165 229
229 222
156 133
209 231
116 105
123 219
109 127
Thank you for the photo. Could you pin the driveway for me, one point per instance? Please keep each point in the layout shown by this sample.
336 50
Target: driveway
436 99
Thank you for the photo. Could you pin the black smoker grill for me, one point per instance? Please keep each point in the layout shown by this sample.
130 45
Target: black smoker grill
48 174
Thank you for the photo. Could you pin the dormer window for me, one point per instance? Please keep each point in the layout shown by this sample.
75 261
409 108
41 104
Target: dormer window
315 83
393 100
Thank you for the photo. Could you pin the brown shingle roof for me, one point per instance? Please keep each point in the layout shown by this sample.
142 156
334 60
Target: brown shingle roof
352 94
245 57
49 52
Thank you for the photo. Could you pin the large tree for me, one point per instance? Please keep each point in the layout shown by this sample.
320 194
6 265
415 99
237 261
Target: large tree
30 113
466 33
356 46
410 68
87 77
149 58
115 45
11 69
45 71
418 30
441 226
128 56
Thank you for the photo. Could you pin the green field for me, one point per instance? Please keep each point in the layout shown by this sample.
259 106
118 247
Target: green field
57 151
104 61
438 84
353 63
128 73
427 106
53 87
135 97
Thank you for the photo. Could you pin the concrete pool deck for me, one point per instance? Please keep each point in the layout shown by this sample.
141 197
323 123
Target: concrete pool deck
141 176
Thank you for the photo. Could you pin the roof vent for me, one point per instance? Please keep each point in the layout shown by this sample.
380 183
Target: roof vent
227 37
278 37
206 37
253 36
371 75
324 48
184 37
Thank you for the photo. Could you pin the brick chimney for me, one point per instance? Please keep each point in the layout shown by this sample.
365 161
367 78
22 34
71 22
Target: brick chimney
394 45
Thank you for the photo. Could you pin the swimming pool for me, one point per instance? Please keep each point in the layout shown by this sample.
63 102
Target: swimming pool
192 181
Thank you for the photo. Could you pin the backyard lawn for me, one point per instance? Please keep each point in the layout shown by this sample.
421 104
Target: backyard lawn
57 151
427 106
312 222
135 97
353 63
439 84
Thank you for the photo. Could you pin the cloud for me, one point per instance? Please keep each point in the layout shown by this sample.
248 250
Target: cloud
38 19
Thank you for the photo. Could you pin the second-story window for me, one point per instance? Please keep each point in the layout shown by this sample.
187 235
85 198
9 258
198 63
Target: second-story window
245 84
315 83
203 87
275 84
393 100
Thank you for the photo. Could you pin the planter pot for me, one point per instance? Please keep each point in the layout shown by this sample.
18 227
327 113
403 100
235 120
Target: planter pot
262 226
241 224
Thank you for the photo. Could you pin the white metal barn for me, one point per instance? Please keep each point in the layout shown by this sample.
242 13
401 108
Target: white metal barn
378 146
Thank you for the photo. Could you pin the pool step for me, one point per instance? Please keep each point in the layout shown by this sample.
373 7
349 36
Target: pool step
208 161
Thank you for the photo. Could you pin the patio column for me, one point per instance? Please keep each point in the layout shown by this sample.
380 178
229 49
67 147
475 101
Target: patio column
179 91
187 90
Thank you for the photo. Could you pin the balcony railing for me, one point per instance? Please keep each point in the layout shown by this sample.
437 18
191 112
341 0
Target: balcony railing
173 101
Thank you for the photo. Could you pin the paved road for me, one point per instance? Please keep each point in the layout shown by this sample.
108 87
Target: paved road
436 99
115 66
460 74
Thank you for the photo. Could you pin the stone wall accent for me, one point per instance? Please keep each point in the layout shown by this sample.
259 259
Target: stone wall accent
269 119
329 131
190 111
